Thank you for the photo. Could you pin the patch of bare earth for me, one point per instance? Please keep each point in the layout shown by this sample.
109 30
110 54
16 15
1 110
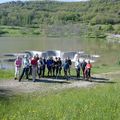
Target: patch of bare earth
45 84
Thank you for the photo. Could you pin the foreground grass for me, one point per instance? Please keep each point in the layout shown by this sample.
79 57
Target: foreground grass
98 103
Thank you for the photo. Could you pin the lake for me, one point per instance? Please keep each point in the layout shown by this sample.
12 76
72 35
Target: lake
20 44
107 51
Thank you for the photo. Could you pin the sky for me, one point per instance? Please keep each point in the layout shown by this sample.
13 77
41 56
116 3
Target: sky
3 1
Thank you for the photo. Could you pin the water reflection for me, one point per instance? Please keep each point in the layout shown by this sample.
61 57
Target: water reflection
6 65
19 44
90 46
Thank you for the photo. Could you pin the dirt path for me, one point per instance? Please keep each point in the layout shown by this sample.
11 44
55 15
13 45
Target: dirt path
41 85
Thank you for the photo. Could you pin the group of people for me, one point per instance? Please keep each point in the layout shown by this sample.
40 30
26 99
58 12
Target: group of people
85 67
37 65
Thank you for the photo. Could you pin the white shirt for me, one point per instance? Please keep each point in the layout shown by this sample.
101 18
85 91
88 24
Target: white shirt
77 64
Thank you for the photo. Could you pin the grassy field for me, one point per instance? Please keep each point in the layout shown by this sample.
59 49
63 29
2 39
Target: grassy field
100 102
97 103
6 74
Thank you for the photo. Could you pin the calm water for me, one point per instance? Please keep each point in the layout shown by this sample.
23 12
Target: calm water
108 51
19 44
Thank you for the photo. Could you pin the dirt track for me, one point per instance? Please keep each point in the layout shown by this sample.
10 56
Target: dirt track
41 85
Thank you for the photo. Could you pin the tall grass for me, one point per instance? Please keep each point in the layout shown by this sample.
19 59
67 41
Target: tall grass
103 68
6 74
97 103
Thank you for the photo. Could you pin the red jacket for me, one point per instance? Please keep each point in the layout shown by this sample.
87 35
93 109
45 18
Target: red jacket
88 66
34 61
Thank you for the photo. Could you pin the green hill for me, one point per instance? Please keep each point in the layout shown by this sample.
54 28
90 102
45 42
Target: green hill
34 14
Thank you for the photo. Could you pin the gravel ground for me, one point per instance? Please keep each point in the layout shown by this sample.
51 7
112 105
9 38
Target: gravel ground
40 85
45 84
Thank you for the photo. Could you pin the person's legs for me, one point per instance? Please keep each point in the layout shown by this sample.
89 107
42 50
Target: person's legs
69 71
56 71
65 74
26 72
34 70
84 73
60 68
30 70
16 72
48 70
38 71
78 72
23 71
89 74
43 71
53 71
19 70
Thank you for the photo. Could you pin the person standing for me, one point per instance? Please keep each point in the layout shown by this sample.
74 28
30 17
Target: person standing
77 67
70 63
83 65
34 63
56 63
40 67
26 65
66 68
49 65
59 66
88 70
18 65
44 66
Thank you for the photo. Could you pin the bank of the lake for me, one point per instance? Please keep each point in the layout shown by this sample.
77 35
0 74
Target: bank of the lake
58 30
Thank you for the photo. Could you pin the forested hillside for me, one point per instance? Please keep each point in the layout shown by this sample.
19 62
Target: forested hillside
33 14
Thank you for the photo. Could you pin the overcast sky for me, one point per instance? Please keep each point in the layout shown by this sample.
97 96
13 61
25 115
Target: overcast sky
3 1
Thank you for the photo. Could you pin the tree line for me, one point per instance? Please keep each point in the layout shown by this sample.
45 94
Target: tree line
34 13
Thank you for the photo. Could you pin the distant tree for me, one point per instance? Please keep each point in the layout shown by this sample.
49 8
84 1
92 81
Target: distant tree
109 27
50 12
3 20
